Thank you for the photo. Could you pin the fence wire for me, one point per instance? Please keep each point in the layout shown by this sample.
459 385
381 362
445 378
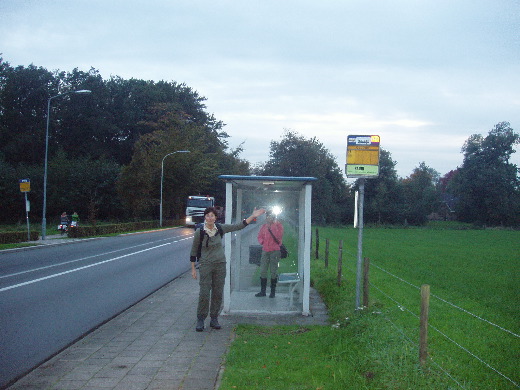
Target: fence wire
401 331
447 302
403 308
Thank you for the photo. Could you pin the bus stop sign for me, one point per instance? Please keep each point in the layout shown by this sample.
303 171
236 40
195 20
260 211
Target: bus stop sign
25 185
362 156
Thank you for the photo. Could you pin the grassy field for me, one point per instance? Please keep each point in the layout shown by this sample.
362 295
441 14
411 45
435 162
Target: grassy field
474 281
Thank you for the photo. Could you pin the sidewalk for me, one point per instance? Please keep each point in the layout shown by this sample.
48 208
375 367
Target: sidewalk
153 345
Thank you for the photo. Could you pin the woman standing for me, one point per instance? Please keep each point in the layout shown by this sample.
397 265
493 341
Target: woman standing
212 264
270 237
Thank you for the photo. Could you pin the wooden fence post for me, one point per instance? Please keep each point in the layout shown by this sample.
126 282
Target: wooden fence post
425 307
366 281
340 261
327 253
317 244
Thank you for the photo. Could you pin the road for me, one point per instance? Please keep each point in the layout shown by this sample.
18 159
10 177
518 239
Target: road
52 295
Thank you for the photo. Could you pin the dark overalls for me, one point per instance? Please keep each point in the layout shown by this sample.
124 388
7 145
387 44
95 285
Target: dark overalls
212 270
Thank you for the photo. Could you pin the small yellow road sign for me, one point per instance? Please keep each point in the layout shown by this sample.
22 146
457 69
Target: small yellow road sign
25 185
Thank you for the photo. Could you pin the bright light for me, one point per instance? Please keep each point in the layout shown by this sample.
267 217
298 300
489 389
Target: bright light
277 210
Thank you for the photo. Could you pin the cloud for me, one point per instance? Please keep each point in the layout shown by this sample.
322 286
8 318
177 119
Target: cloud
423 75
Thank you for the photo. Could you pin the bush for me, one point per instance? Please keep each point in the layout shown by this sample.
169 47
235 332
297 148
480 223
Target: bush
99 230
14 237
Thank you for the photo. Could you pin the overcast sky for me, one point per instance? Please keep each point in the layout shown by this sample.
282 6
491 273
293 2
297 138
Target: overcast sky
424 75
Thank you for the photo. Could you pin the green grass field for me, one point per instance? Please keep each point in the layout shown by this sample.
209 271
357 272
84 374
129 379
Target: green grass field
377 348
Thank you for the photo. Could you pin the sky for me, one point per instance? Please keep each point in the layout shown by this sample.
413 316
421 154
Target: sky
423 75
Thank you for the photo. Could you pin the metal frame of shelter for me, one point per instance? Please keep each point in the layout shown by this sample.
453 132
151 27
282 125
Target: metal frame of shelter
237 188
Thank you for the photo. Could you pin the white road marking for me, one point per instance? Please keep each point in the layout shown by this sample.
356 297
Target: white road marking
83 258
80 268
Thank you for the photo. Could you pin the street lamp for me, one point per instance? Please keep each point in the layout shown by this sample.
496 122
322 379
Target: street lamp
162 175
44 219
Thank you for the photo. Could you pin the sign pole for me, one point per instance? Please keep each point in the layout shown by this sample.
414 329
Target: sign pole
362 162
360 242
356 209
27 207
25 187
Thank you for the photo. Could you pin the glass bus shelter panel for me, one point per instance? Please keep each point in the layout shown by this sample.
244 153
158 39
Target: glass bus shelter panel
246 253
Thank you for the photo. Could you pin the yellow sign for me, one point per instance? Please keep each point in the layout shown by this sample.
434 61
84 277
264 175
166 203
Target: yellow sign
362 156
25 185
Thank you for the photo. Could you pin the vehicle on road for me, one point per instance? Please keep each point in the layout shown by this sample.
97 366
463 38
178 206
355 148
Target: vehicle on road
195 206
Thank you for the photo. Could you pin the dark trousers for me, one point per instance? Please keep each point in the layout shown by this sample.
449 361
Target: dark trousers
269 260
212 277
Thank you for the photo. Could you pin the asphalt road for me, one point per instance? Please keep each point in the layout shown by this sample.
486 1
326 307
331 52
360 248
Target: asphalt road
52 295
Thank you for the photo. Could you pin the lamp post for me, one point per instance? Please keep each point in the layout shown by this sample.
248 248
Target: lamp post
44 219
162 175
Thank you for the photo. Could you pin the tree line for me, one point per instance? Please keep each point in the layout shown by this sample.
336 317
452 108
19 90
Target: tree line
484 190
106 150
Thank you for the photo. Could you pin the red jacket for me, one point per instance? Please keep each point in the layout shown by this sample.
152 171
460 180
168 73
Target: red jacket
266 239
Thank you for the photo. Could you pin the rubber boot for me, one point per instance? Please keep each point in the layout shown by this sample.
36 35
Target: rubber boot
214 323
273 288
263 286
200 325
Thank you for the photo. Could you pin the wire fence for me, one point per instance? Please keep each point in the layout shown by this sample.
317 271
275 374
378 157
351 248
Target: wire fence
447 302
410 341
403 333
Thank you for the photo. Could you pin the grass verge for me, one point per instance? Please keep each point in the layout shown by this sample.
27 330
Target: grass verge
377 348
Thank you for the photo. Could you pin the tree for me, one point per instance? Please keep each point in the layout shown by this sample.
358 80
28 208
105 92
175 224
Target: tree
109 126
81 183
23 106
295 155
10 190
383 195
193 173
487 184
448 200
420 194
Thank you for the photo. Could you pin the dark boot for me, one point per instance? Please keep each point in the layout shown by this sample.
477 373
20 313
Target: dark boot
273 288
214 323
263 286
200 325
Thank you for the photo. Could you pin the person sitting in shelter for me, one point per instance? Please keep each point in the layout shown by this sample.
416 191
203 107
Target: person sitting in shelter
270 237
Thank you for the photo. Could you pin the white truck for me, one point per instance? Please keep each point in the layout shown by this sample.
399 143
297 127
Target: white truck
195 206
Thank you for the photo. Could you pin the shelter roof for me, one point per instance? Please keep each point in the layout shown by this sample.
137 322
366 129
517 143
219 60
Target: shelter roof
271 183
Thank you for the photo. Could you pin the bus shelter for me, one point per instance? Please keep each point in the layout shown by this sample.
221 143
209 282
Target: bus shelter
290 199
